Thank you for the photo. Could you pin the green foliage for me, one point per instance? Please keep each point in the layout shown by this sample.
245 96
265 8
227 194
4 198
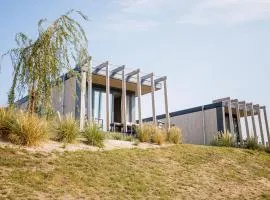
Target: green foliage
120 136
7 117
22 128
223 139
267 149
116 136
39 63
252 143
94 135
175 135
66 129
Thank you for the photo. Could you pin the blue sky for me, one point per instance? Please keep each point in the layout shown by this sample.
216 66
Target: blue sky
208 48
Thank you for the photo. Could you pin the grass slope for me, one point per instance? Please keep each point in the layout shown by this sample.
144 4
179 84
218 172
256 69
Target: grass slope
177 172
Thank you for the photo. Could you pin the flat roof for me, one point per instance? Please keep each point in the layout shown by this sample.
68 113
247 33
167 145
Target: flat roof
187 111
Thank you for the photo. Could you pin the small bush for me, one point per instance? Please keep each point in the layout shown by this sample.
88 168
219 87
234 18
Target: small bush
7 117
159 136
94 136
175 135
267 149
252 143
223 139
129 138
117 136
28 130
120 136
67 129
145 131
151 133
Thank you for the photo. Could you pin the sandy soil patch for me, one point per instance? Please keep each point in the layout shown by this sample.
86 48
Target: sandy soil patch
51 146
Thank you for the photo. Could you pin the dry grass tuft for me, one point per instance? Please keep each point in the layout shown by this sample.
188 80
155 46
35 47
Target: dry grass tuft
175 135
66 129
151 133
94 135
224 139
22 128
7 117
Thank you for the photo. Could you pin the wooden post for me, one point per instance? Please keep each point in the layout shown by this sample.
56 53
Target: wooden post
139 91
153 100
250 105
260 123
124 102
230 117
99 104
83 89
244 106
246 120
108 111
224 120
266 124
89 110
168 124
238 121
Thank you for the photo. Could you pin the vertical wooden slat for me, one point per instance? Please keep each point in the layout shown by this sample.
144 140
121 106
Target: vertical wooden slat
168 124
108 111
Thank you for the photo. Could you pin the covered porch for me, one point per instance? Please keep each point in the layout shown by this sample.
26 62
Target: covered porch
111 95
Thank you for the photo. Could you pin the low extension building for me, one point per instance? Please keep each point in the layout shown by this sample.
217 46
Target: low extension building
106 94
200 124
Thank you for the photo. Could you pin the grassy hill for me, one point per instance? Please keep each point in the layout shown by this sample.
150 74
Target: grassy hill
177 172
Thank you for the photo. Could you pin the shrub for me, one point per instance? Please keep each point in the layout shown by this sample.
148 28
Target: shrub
252 143
159 136
267 149
223 139
120 136
175 135
145 132
7 117
94 136
67 129
151 133
116 136
27 129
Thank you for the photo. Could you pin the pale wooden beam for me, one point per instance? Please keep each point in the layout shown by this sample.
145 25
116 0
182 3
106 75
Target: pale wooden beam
89 110
133 73
147 76
99 104
83 89
99 67
139 91
168 124
230 117
235 102
266 124
153 88
227 101
124 101
257 108
160 79
108 111
116 70
250 106
244 106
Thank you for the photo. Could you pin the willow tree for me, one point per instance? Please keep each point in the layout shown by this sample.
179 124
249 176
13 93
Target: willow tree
38 64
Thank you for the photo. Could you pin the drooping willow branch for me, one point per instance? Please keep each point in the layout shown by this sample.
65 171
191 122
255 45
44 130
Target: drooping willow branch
38 64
